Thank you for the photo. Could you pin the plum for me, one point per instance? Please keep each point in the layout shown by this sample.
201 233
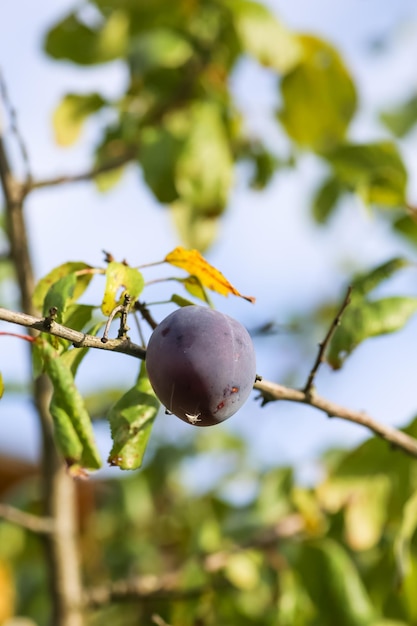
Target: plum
201 364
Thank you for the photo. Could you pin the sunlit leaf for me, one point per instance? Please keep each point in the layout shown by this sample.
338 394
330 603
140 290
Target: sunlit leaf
242 569
78 268
71 113
319 97
120 277
192 262
196 230
365 502
160 47
72 423
131 420
401 119
1 386
105 181
334 585
100 45
264 36
375 171
195 287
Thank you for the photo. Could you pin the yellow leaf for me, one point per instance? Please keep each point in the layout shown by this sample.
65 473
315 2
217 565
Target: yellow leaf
191 261
7 593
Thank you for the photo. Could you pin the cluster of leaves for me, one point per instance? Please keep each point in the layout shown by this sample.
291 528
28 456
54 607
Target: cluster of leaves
178 119
251 546
132 415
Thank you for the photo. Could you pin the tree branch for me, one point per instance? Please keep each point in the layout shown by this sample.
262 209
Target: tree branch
142 588
82 176
34 523
59 502
78 339
269 391
323 345
273 391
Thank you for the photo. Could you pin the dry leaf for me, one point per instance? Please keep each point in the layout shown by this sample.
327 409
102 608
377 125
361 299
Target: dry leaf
192 262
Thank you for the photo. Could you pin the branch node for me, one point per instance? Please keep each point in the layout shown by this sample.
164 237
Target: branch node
49 319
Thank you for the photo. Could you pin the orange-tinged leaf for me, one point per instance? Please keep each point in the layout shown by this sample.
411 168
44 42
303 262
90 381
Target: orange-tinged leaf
191 261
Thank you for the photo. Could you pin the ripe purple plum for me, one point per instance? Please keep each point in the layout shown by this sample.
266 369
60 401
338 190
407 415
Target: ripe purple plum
201 365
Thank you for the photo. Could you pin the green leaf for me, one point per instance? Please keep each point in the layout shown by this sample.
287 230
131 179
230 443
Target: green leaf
160 47
401 119
1 386
131 420
195 287
159 151
73 357
120 276
43 286
375 171
77 316
402 544
265 37
407 227
334 585
319 97
180 301
243 570
196 231
265 167
73 427
204 170
326 199
59 295
72 40
71 113
376 457
364 319
367 282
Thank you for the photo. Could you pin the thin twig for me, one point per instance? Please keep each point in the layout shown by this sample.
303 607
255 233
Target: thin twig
11 111
142 588
78 339
146 314
87 175
273 391
323 345
34 523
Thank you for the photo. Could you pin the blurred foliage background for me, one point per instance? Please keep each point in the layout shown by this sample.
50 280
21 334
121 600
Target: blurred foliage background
204 535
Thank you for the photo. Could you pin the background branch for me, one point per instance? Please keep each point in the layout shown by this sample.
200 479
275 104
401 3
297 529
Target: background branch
87 175
167 586
34 523
58 489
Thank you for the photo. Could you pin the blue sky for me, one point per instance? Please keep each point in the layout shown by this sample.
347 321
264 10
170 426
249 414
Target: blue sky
267 246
